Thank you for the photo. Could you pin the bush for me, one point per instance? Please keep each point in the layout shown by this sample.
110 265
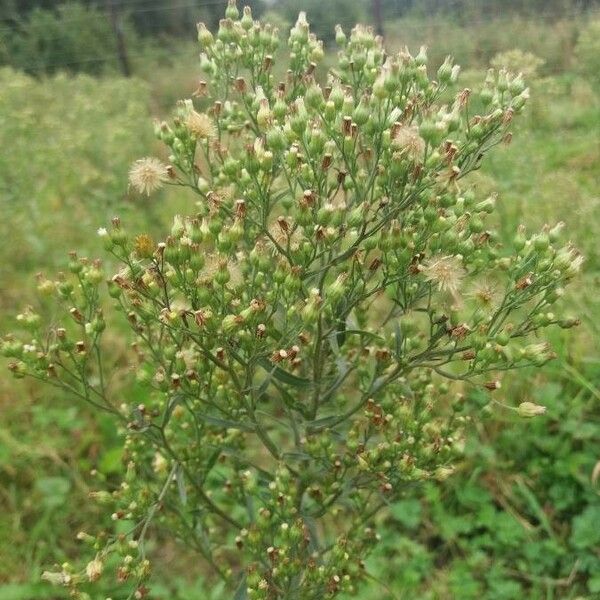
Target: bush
477 45
518 61
587 52
73 37
304 339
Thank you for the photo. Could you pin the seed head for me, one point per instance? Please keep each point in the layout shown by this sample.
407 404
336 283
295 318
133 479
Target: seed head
200 125
447 272
147 175
407 140
94 569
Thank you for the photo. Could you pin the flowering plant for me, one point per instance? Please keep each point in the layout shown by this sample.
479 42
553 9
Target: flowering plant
304 338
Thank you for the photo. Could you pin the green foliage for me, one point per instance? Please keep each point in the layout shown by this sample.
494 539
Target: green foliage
470 10
551 41
517 61
587 52
72 37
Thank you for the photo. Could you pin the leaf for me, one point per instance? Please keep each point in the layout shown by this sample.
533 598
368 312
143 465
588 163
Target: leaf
213 459
54 490
110 462
585 532
225 423
242 591
181 486
398 338
27 591
408 512
262 388
594 584
340 334
285 376
362 332
289 400
535 507
297 455
173 402
323 422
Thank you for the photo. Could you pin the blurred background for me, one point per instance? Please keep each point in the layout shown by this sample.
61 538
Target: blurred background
80 84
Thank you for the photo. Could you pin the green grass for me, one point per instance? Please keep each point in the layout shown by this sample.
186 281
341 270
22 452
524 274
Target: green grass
520 517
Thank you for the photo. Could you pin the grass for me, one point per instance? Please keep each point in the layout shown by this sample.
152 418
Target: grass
519 517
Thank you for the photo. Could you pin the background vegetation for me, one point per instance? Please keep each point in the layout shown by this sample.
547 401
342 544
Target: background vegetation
521 516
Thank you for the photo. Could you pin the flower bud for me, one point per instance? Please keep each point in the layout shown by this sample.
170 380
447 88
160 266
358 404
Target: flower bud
232 12
421 58
205 37
276 139
529 409
445 71
94 568
314 96
246 20
263 116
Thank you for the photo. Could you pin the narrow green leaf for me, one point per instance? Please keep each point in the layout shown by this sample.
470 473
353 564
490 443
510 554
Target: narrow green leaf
181 486
535 507
285 376
323 422
225 423
242 591
341 333
362 332
398 338
297 456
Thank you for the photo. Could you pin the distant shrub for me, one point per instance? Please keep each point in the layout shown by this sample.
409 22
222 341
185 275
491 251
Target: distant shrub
587 52
72 37
517 61
478 44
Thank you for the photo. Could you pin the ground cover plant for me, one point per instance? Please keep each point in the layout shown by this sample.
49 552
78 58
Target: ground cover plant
282 385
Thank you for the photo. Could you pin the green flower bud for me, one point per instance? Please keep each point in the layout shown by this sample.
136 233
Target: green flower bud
361 113
330 111
529 410
486 95
314 97
429 132
486 205
541 242
232 12
205 37
517 85
519 240
444 73
246 20
337 96
230 323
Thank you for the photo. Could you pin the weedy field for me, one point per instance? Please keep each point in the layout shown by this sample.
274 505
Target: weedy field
519 518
